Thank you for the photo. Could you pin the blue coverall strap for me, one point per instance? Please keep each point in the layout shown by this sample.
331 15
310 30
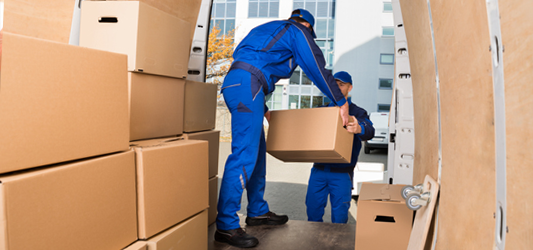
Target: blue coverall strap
254 71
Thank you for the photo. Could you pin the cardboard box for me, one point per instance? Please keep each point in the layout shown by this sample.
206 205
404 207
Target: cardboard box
59 103
381 211
139 245
213 137
156 106
213 200
171 182
49 20
309 135
155 42
190 234
187 10
82 205
200 106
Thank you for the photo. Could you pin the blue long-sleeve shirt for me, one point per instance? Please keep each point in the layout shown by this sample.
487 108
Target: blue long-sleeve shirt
367 133
276 48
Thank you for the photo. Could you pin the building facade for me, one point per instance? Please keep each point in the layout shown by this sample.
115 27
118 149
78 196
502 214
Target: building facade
356 36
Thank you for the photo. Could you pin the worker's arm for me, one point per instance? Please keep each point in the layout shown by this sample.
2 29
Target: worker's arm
310 58
363 127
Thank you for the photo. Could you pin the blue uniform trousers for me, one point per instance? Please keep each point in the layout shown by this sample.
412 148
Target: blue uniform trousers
246 166
323 183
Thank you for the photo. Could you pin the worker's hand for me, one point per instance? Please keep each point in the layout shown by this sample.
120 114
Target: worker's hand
267 116
353 126
344 114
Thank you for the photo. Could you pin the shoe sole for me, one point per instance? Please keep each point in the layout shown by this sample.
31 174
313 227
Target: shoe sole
223 239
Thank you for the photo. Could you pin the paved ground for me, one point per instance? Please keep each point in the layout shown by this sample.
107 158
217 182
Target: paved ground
287 184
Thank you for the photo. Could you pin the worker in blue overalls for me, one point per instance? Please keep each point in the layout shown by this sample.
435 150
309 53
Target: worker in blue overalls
335 180
270 52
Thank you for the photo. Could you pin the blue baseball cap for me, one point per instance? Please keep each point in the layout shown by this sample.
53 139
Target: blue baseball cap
308 17
343 76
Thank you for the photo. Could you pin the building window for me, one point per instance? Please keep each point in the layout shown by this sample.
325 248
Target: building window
388 31
324 13
385 83
386 59
263 8
383 107
387 7
274 99
223 15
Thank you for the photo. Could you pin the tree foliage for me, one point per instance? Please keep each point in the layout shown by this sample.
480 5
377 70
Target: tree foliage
219 54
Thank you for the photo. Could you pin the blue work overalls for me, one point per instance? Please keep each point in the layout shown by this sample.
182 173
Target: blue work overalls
335 180
268 53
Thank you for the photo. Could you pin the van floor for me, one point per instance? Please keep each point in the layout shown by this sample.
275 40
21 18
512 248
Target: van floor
295 235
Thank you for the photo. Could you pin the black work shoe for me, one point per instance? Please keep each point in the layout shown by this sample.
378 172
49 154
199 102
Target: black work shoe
267 219
236 237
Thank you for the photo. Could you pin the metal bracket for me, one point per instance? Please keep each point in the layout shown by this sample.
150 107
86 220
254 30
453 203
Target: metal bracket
496 49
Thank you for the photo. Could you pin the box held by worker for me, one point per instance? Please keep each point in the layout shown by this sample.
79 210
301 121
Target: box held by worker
82 205
189 234
213 199
213 137
381 210
200 106
171 182
59 103
309 135
156 106
156 42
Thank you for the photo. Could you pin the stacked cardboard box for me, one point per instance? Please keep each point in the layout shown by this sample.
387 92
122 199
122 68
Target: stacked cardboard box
67 173
172 188
157 45
212 137
199 124
65 164
171 182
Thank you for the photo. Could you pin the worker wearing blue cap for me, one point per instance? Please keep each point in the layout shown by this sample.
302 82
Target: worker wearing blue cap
270 52
335 180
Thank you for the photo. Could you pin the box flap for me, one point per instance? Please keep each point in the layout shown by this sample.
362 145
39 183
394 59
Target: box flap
385 192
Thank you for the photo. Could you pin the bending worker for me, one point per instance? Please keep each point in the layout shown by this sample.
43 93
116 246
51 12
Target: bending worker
268 53
335 179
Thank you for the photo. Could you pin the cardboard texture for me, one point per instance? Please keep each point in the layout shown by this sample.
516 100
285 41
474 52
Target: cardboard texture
155 42
381 212
200 106
213 137
49 20
156 106
171 182
190 234
184 9
81 205
518 70
139 245
309 135
213 200
59 103
416 21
